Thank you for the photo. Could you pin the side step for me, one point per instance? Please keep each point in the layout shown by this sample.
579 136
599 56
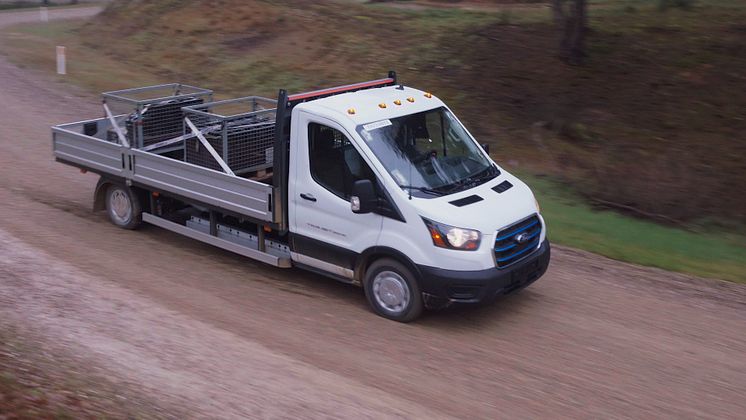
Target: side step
218 242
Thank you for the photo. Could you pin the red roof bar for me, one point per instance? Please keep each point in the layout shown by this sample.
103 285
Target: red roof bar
340 89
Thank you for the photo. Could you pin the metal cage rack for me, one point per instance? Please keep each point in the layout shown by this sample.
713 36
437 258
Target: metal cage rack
153 113
241 131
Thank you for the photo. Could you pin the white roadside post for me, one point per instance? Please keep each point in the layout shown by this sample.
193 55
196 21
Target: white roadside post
61 65
44 14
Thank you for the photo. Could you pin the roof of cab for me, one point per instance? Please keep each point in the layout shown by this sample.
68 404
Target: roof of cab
366 103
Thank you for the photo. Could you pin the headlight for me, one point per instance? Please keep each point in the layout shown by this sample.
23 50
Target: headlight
460 237
451 237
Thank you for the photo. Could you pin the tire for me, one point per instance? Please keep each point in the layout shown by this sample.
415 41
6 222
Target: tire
392 290
123 207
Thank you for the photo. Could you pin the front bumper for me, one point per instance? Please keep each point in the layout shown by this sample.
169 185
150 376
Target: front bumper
441 288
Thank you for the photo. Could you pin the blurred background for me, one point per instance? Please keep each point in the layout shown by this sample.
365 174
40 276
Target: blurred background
626 116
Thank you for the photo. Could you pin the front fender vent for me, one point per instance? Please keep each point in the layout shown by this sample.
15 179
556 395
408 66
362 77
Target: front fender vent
502 187
461 202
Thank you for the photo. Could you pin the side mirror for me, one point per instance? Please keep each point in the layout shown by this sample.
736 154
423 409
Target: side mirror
364 199
486 148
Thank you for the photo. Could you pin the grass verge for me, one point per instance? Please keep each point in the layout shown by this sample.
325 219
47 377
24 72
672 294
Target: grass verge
571 221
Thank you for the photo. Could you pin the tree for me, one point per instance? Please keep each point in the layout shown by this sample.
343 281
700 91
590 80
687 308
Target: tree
571 16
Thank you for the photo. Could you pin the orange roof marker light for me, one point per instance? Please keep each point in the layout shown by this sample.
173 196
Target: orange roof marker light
397 102
351 111
410 99
428 95
382 105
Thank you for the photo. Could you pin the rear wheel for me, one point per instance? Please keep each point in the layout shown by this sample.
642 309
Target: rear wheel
123 207
392 291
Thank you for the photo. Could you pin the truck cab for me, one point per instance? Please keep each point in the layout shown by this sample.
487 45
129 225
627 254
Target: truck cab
390 174
375 184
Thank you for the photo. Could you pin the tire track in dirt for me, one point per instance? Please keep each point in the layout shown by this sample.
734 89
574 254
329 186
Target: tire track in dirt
184 361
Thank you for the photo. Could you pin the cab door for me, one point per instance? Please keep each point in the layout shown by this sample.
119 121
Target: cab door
325 233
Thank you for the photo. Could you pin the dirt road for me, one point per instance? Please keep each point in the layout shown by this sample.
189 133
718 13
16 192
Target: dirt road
198 330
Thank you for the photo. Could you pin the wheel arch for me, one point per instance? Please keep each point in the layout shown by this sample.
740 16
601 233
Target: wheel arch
378 252
99 193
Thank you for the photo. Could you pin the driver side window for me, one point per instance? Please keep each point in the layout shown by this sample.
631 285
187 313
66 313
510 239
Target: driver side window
335 163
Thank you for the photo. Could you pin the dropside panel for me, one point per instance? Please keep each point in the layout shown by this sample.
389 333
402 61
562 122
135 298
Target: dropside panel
89 152
238 195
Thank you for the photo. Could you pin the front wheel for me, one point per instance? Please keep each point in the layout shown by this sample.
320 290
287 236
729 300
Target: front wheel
392 291
123 207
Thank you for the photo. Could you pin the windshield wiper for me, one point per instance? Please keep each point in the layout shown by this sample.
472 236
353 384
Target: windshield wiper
423 189
487 175
473 181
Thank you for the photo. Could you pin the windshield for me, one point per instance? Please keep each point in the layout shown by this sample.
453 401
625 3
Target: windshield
428 153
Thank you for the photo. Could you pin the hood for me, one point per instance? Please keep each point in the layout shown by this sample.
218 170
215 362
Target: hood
494 211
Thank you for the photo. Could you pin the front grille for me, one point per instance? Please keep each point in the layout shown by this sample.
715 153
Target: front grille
508 249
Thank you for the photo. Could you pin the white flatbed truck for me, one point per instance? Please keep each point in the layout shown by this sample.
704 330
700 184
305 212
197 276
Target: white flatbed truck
375 183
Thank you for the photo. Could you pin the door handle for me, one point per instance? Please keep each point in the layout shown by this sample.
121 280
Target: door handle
308 197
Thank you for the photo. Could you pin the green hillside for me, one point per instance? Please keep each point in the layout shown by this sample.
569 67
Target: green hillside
653 121
651 126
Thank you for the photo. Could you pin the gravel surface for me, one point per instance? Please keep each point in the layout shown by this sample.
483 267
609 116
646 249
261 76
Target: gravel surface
195 329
